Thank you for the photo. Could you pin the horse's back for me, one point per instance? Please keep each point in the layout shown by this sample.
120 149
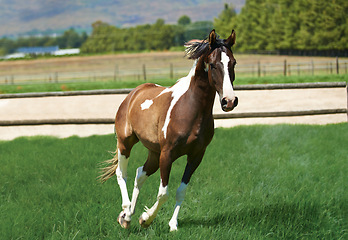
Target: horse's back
139 114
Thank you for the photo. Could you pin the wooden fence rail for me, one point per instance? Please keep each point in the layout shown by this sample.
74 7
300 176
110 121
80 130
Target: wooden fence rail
95 121
216 116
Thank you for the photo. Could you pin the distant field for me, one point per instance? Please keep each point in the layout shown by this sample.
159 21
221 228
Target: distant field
73 86
130 61
154 66
257 182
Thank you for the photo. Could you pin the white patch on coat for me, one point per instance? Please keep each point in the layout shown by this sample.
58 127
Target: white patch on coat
146 104
227 88
179 89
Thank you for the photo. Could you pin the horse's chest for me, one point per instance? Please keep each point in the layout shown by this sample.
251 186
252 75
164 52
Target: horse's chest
190 134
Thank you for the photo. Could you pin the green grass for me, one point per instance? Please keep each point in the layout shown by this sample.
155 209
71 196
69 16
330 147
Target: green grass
255 182
292 79
73 86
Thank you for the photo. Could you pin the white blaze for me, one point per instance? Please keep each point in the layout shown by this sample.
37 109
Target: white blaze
227 89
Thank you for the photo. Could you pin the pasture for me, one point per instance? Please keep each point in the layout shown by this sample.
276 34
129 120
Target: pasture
73 86
155 66
255 182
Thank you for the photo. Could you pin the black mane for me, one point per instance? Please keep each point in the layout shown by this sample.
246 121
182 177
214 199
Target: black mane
196 49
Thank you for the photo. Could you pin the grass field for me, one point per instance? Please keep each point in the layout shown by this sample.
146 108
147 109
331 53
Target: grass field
256 182
73 86
107 62
100 71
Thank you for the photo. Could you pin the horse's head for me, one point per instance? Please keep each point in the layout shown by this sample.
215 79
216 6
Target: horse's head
220 65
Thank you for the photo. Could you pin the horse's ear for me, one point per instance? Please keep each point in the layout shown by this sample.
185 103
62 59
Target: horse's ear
212 37
231 40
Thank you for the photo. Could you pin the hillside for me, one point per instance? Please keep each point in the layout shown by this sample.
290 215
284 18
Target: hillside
40 15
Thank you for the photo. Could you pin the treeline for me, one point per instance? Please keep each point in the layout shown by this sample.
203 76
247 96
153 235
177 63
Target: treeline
69 39
262 25
158 36
107 38
287 24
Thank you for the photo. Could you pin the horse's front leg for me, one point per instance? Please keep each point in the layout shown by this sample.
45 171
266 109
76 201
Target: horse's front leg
180 195
124 217
191 166
149 215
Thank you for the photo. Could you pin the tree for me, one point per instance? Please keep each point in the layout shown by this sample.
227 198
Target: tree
102 38
70 39
6 46
184 20
226 21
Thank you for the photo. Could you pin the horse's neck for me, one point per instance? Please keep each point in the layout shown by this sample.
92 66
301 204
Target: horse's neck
200 86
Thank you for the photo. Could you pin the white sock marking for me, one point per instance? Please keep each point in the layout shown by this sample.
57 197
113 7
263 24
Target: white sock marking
180 195
121 173
149 215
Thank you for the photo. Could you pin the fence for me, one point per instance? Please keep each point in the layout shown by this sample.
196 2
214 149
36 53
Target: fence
299 68
216 116
143 72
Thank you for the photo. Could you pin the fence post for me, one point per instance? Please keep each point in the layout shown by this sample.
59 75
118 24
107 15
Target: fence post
337 66
284 68
144 72
56 77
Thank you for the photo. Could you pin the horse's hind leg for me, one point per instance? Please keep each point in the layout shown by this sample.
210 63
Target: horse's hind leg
142 174
121 173
123 151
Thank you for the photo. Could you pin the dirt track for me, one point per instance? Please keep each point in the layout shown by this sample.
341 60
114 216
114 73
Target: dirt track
105 106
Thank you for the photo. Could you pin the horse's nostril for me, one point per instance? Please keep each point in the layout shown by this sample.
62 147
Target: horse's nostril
235 103
223 102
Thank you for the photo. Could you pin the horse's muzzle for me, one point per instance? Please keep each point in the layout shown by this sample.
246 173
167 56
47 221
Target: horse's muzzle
229 104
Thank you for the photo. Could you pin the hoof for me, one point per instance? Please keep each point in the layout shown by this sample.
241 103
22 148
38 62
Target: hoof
142 221
173 226
173 229
121 220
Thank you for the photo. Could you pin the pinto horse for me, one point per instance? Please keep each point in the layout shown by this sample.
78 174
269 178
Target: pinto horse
172 122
